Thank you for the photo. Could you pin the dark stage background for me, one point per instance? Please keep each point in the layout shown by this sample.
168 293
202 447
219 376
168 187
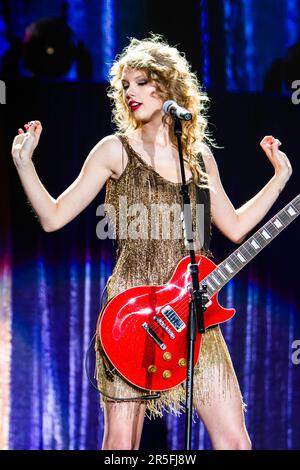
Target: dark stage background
51 283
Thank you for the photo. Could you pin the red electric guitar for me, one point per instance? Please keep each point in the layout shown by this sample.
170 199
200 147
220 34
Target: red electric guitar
143 330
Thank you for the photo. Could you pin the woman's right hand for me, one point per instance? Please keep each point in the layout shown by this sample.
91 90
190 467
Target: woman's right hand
25 143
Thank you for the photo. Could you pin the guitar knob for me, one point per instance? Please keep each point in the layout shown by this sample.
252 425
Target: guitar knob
152 369
182 362
167 374
167 356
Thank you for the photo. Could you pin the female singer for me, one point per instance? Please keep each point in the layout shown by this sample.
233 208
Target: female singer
141 162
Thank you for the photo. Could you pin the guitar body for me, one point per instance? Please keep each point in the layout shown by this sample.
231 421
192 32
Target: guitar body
143 330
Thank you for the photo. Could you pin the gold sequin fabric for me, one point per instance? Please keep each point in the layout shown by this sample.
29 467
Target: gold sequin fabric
146 260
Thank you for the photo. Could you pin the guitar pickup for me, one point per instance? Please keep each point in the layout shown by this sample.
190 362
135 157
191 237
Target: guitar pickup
164 326
154 336
173 318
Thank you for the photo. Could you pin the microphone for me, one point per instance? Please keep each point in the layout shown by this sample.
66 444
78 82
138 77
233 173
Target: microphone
172 108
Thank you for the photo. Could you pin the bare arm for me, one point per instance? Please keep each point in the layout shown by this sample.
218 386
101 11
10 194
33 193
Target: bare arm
236 223
53 214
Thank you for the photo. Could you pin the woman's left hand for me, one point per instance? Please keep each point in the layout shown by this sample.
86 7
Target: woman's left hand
282 166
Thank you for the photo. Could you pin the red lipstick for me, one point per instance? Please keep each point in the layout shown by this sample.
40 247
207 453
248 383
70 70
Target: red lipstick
134 105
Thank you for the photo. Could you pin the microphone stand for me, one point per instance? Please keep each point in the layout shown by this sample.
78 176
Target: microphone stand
198 296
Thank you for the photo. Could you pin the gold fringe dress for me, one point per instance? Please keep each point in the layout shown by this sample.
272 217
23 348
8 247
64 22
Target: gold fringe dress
148 261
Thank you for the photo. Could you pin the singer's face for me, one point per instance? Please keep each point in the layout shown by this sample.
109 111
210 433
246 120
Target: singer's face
140 95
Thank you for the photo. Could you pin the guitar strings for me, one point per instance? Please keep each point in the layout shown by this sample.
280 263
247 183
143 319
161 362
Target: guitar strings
183 303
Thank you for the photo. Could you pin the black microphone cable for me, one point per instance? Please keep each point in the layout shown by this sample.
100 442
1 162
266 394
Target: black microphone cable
120 399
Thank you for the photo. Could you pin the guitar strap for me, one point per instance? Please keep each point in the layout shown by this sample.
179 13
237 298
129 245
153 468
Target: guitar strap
203 197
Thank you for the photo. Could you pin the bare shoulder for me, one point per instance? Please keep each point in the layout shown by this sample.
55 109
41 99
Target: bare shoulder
108 152
109 144
208 158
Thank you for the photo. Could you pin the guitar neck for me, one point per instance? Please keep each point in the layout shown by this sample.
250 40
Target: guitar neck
248 250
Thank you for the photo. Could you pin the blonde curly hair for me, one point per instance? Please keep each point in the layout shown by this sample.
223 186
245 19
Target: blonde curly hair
170 71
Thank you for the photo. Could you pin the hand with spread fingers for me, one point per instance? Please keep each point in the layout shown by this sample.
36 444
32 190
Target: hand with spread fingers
25 143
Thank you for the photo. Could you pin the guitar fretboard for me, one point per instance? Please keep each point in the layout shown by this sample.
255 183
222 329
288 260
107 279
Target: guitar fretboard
246 252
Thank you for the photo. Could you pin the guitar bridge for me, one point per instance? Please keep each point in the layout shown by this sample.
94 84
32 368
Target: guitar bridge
154 336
